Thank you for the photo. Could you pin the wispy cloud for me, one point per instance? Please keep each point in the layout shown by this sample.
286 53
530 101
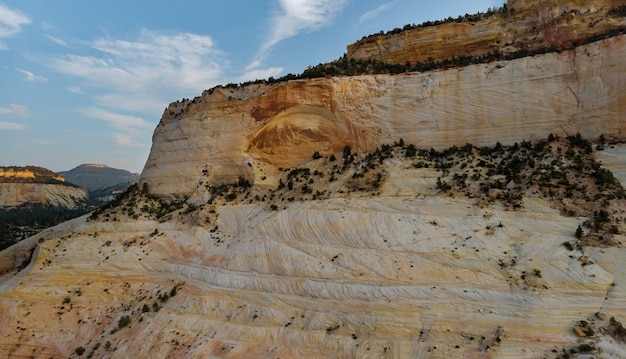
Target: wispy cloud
47 26
74 89
125 140
39 141
255 73
14 110
372 14
31 77
130 126
11 22
57 41
296 16
145 73
115 119
11 126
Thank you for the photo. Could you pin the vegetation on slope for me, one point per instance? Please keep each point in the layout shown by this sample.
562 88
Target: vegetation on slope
560 170
503 11
18 223
563 171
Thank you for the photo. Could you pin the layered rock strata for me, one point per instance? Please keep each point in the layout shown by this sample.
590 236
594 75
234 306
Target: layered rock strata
228 132
404 274
15 194
524 25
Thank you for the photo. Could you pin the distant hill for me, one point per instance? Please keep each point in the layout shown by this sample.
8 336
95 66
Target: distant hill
34 198
30 174
94 176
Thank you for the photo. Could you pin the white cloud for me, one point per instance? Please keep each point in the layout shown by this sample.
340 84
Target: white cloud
115 119
147 72
47 26
256 74
124 140
149 103
11 126
11 21
57 41
376 12
31 77
300 15
14 110
74 89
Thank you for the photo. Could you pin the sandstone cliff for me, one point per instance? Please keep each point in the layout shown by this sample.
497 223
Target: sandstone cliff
37 185
15 194
251 131
525 25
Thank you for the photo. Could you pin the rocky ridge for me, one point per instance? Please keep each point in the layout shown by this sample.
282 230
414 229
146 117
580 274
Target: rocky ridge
521 25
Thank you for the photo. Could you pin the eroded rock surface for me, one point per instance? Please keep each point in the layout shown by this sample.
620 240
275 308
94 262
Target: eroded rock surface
580 90
404 271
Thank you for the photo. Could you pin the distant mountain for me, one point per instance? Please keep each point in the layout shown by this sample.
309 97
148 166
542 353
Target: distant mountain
94 176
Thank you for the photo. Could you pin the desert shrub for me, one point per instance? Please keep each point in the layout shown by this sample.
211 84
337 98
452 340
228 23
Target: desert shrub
123 322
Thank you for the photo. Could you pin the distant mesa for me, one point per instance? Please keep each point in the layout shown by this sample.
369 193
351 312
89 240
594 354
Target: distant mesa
29 174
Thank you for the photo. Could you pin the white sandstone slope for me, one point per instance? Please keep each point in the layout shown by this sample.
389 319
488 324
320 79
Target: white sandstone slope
406 273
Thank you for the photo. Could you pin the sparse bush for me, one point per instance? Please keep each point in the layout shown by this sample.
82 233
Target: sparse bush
347 151
123 322
586 348
579 233
79 351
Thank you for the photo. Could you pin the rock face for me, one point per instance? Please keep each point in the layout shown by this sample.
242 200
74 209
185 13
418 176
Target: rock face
228 132
407 273
15 194
37 185
523 25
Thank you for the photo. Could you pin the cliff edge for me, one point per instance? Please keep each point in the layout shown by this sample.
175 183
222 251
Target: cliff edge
227 132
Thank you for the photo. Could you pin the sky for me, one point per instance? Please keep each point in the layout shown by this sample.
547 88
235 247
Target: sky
87 81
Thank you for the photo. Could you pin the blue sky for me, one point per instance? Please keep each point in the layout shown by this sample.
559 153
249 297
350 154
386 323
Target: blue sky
87 81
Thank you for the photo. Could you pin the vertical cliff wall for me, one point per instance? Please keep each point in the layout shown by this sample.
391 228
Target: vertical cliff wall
224 132
524 25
